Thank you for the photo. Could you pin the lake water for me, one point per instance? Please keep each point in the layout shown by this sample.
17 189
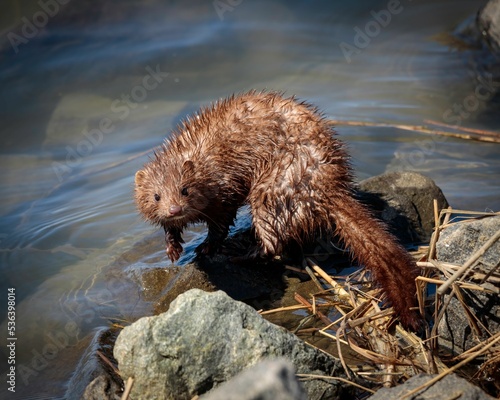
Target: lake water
87 93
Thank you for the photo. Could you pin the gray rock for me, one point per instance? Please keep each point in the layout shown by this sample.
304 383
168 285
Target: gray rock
488 21
101 388
451 387
455 333
267 380
405 202
455 245
205 339
459 241
480 35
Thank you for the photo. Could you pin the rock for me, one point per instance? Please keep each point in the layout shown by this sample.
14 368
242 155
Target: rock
455 245
488 22
451 387
455 333
480 34
145 273
267 380
93 379
459 241
404 200
205 339
101 388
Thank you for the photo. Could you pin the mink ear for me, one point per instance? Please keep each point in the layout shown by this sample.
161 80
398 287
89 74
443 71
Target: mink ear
139 177
188 167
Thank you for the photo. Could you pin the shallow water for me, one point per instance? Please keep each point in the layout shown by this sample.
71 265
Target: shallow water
101 84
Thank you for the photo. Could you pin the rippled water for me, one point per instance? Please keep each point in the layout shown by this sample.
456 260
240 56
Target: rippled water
101 84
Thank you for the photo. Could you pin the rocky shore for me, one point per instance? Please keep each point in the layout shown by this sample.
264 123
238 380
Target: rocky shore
207 338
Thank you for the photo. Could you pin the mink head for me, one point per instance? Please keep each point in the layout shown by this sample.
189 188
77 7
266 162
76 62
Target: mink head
166 192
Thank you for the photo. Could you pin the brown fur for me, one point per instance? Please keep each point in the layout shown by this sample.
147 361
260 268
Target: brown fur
282 158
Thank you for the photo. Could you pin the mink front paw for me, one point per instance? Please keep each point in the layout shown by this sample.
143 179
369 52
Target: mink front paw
174 250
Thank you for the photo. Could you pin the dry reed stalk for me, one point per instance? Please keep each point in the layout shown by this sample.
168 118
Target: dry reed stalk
462 128
319 314
292 308
340 291
437 378
367 330
108 362
128 388
322 377
313 278
420 129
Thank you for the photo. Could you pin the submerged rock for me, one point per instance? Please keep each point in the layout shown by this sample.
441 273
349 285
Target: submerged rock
205 339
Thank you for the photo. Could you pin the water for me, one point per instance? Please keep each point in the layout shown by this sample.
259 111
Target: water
102 83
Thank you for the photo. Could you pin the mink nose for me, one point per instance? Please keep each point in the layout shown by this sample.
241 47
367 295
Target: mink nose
174 209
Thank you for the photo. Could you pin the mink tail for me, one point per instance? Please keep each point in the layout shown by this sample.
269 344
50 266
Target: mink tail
374 247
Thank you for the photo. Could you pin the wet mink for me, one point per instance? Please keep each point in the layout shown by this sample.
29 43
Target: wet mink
281 157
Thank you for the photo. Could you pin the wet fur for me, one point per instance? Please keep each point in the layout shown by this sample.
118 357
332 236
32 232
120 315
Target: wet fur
282 158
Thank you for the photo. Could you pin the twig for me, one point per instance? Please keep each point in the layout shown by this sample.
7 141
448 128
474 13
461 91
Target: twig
319 314
108 362
128 388
338 288
435 234
291 308
341 331
462 128
418 128
313 278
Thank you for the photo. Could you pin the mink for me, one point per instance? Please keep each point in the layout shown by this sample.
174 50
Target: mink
282 158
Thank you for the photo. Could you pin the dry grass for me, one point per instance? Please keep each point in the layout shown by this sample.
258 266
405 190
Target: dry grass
352 319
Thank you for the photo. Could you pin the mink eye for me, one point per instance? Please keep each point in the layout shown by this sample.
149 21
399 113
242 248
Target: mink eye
157 197
184 191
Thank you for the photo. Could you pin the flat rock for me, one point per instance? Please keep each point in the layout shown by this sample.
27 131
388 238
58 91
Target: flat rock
205 339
